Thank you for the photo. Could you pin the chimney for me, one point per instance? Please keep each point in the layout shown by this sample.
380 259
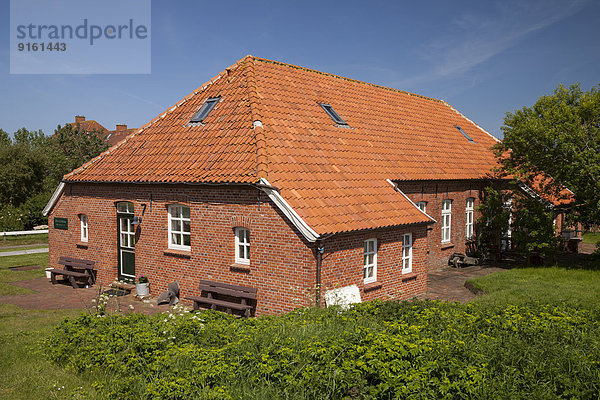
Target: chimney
121 127
79 119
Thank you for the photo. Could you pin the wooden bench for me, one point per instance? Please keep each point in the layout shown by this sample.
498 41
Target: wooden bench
232 299
75 268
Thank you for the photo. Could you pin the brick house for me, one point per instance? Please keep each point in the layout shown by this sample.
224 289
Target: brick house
112 137
285 179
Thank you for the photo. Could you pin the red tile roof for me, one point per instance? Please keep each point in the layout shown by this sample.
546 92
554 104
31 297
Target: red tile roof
89 126
333 177
112 137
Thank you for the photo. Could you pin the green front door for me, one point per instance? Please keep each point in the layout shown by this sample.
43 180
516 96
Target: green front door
126 246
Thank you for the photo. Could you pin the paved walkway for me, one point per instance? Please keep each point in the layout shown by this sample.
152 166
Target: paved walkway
448 284
22 252
20 246
445 284
63 296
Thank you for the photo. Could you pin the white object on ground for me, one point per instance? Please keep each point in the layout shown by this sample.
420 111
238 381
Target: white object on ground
343 296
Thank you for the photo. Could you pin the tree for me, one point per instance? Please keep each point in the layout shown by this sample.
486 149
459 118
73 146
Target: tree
559 137
73 147
530 221
493 221
32 165
24 164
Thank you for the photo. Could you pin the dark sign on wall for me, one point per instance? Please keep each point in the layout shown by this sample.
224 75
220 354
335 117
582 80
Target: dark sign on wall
61 223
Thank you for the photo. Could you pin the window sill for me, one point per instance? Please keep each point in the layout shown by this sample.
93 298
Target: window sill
82 245
409 276
177 253
243 268
447 246
368 287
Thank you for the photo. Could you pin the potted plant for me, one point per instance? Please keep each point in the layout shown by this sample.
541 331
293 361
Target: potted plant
142 286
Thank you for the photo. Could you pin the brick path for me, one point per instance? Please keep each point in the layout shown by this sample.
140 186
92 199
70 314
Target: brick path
63 296
448 284
445 284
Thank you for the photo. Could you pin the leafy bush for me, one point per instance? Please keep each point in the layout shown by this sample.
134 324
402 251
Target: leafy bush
11 218
419 349
32 165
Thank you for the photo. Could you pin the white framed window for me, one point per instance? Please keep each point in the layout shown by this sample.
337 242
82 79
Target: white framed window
407 246
179 227
84 227
125 207
242 246
446 220
370 261
469 217
422 206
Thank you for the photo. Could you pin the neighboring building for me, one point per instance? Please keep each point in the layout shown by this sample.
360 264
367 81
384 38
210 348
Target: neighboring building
285 179
112 137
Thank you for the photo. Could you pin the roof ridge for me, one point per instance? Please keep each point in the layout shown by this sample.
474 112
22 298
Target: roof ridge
255 113
265 60
155 119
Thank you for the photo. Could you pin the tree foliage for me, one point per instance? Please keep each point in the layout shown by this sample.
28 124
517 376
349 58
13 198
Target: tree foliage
529 221
532 225
493 222
558 137
32 165
73 147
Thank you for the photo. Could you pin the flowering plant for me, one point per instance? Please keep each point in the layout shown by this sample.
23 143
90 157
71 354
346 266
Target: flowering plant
142 279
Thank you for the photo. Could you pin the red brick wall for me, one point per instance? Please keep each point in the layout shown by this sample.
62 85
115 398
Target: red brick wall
282 263
343 263
434 192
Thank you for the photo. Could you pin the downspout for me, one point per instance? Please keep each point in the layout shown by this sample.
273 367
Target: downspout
320 249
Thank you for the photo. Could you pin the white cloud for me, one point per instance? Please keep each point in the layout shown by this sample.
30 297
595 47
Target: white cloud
473 38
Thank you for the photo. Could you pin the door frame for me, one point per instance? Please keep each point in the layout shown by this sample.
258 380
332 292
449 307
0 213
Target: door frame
121 249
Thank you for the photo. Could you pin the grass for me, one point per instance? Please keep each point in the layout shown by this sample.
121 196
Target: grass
41 238
26 373
555 286
591 238
7 275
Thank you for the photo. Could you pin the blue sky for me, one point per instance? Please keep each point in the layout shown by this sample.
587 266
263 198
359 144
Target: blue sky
483 57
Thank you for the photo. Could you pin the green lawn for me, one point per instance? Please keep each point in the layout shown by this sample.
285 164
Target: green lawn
26 373
556 285
42 238
7 275
592 238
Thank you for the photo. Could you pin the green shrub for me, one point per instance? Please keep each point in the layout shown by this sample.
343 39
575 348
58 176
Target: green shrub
11 218
419 349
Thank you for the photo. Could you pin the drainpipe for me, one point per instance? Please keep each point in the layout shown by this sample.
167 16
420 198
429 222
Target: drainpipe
320 250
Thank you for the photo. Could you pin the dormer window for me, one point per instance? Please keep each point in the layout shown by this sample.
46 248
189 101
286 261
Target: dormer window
206 108
465 134
331 112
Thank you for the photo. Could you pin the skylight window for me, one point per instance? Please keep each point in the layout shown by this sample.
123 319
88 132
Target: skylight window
334 116
205 109
465 134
